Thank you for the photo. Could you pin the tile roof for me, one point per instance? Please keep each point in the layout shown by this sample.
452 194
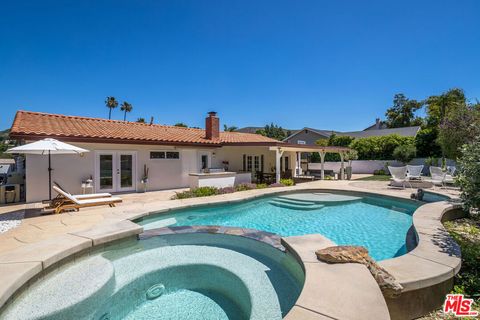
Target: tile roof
39 125
405 132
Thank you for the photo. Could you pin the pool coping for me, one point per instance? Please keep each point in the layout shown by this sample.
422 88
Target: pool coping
427 265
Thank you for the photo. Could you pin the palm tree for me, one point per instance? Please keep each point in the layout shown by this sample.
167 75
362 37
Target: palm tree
111 103
126 107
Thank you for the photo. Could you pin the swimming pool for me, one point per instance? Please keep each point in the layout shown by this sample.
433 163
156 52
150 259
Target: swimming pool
378 223
180 276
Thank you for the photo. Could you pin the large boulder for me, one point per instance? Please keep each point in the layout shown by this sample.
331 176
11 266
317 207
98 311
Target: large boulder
357 254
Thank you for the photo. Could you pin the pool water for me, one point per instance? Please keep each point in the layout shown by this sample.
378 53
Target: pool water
168 277
378 223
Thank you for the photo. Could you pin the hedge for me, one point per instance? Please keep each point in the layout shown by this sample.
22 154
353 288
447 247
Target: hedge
379 148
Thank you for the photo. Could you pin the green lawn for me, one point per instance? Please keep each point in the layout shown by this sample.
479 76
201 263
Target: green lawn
376 178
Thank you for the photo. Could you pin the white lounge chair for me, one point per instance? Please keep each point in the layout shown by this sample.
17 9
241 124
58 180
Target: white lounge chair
82 201
414 172
449 177
438 176
399 177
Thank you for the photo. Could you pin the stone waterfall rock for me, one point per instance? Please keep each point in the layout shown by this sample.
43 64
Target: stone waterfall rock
357 254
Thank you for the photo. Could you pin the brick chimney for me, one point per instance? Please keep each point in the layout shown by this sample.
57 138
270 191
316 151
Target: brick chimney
212 126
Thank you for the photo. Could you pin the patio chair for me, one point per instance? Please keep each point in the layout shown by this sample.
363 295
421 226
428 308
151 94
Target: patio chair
450 176
438 176
414 172
399 177
74 202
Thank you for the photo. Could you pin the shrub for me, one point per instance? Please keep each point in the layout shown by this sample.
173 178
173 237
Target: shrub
379 172
379 148
183 195
226 190
262 186
287 182
405 153
276 185
197 192
245 186
468 177
426 143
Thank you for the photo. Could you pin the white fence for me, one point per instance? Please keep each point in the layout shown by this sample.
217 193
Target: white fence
369 166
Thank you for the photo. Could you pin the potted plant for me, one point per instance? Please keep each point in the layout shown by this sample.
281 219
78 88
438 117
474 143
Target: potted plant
144 180
350 156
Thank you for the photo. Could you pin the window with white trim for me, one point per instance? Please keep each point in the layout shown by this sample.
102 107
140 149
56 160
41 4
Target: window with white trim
301 142
164 155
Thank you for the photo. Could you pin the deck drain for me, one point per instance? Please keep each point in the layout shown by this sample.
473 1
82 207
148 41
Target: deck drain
155 291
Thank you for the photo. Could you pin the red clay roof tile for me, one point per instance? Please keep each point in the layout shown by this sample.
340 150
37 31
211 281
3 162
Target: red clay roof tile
38 125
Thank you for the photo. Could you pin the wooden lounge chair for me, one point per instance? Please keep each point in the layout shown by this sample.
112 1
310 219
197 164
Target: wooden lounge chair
82 201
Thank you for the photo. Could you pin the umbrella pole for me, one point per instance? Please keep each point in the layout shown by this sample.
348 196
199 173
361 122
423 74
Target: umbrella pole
49 177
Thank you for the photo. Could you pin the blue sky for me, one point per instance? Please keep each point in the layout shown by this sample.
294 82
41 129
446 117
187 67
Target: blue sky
324 64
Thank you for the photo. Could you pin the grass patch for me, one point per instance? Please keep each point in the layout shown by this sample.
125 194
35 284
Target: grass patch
375 178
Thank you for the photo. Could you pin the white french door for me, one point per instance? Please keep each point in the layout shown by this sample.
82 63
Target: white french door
115 171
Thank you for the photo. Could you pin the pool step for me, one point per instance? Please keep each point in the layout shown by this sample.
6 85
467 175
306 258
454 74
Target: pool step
293 201
292 206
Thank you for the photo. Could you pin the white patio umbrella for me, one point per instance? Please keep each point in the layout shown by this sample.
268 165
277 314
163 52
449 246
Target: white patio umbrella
47 147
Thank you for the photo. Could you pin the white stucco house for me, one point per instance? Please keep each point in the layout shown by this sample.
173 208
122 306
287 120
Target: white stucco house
175 156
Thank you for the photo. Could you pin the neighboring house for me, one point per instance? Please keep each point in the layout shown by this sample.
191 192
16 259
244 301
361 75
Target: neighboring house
404 132
119 150
309 136
377 125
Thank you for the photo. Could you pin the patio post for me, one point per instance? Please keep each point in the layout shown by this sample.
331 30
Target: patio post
299 165
278 157
342 166
322 165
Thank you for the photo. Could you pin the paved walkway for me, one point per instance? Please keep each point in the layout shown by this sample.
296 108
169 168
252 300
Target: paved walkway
36 227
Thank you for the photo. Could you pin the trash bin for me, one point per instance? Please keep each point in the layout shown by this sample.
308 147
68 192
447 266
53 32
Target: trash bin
10 196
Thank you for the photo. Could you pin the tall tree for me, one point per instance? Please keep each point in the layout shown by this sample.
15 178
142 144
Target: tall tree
126 107
273 131
230 129
438 106
111 103
402 113
459 126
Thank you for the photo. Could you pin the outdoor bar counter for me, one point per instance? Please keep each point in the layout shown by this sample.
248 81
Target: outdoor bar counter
218 179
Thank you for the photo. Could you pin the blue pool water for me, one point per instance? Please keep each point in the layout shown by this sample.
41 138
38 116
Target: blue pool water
169 277
380 224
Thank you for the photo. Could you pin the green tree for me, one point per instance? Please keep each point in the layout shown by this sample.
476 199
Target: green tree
459 126
111 103
180 124
405 153
438 106
379 147
402 113
426 143
273 131
229 129
126 107
468 177
141 120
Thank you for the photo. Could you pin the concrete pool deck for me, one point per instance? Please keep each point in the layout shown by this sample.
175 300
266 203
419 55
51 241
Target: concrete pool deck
41 242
